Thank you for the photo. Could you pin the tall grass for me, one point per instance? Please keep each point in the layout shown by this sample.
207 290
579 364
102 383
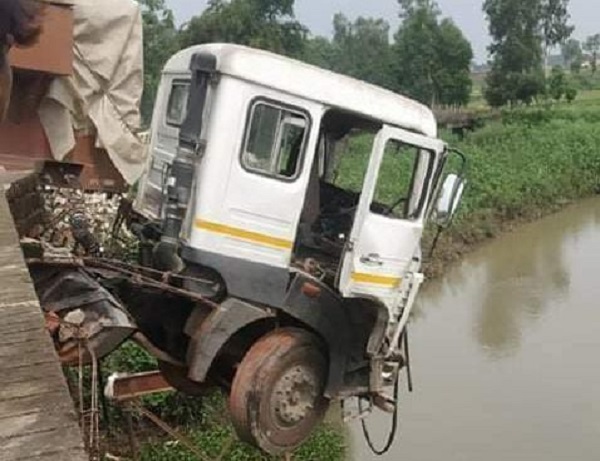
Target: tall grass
534 160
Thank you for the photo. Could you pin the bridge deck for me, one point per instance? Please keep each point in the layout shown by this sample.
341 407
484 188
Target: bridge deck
37 417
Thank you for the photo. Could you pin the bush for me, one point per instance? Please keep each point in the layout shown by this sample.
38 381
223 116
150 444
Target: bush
571 94
557 84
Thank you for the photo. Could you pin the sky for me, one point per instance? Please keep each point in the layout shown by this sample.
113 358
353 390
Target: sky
467 14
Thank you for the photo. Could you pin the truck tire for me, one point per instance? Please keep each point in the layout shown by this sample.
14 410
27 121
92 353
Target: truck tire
277 397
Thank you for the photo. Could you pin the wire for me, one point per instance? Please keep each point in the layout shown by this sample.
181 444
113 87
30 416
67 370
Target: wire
394 427
407 356
436 239
393 430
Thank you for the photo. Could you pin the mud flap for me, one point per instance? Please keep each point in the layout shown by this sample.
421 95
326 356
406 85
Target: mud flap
81 314
209 337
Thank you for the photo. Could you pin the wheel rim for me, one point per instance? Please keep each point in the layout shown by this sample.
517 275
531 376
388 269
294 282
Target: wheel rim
276 397
294 396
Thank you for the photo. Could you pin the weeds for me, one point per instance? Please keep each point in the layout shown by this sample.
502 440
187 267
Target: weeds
204 421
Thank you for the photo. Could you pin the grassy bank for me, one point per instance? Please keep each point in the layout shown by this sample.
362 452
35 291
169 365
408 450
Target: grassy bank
531 163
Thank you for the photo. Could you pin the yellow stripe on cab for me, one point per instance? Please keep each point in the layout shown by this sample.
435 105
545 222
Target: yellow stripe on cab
242 234
372 279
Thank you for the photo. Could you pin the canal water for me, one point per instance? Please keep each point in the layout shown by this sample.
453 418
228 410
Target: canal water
506 352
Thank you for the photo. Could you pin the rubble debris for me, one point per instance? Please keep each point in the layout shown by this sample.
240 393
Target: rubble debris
83 222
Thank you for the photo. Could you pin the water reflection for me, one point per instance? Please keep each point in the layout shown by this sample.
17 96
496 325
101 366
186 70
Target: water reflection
502 352
514 277
519 279
522 272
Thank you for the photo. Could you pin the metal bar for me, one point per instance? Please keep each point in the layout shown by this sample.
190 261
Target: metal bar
131 432
131 386
169 430
416 282
408 364
135 278
103 401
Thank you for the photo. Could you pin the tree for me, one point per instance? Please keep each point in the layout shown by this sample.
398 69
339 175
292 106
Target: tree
453 78
265 24
592 46
432 58
320 52
572 54
415 50
521 31
160 42
410 8
362 50
557 84
555 18
571 93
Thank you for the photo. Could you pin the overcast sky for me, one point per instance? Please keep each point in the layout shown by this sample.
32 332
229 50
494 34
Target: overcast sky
318 15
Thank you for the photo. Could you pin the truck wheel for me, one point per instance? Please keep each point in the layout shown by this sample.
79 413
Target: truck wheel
277 397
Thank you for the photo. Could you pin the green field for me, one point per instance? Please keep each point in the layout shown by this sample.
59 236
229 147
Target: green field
588 87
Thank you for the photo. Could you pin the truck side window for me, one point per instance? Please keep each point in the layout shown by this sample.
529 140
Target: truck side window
275 140
177 106
400 185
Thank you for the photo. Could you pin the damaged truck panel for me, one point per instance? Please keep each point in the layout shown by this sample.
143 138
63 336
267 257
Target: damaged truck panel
261 269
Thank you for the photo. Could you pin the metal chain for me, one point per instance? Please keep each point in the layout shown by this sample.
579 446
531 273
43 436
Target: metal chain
89 418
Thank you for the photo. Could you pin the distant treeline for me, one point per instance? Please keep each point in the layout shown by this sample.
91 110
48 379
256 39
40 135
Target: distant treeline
427 58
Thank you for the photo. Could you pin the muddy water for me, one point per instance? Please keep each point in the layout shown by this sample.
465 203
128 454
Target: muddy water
506 352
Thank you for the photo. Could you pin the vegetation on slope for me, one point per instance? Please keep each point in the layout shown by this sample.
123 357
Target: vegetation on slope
203 421
531 163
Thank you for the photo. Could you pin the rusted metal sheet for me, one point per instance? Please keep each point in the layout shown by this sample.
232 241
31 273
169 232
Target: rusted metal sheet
83 315
53 52
24 146
94 304
123 387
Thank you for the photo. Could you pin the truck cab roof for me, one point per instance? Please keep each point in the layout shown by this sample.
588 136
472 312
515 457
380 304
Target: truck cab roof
313 83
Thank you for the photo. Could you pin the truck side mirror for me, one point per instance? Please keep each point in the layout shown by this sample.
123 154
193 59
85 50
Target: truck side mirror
449 199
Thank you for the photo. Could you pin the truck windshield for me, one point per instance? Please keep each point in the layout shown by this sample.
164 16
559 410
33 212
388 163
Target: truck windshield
400 181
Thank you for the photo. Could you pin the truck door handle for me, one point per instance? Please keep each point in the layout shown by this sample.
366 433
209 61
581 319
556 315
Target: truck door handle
371 260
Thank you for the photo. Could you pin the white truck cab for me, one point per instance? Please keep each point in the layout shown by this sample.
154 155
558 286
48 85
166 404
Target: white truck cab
302 195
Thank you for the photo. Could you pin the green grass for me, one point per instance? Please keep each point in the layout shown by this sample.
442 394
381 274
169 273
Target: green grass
217 441
587 85
203 421
532 162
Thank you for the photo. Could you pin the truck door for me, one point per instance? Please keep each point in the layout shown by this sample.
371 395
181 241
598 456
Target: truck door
390 216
